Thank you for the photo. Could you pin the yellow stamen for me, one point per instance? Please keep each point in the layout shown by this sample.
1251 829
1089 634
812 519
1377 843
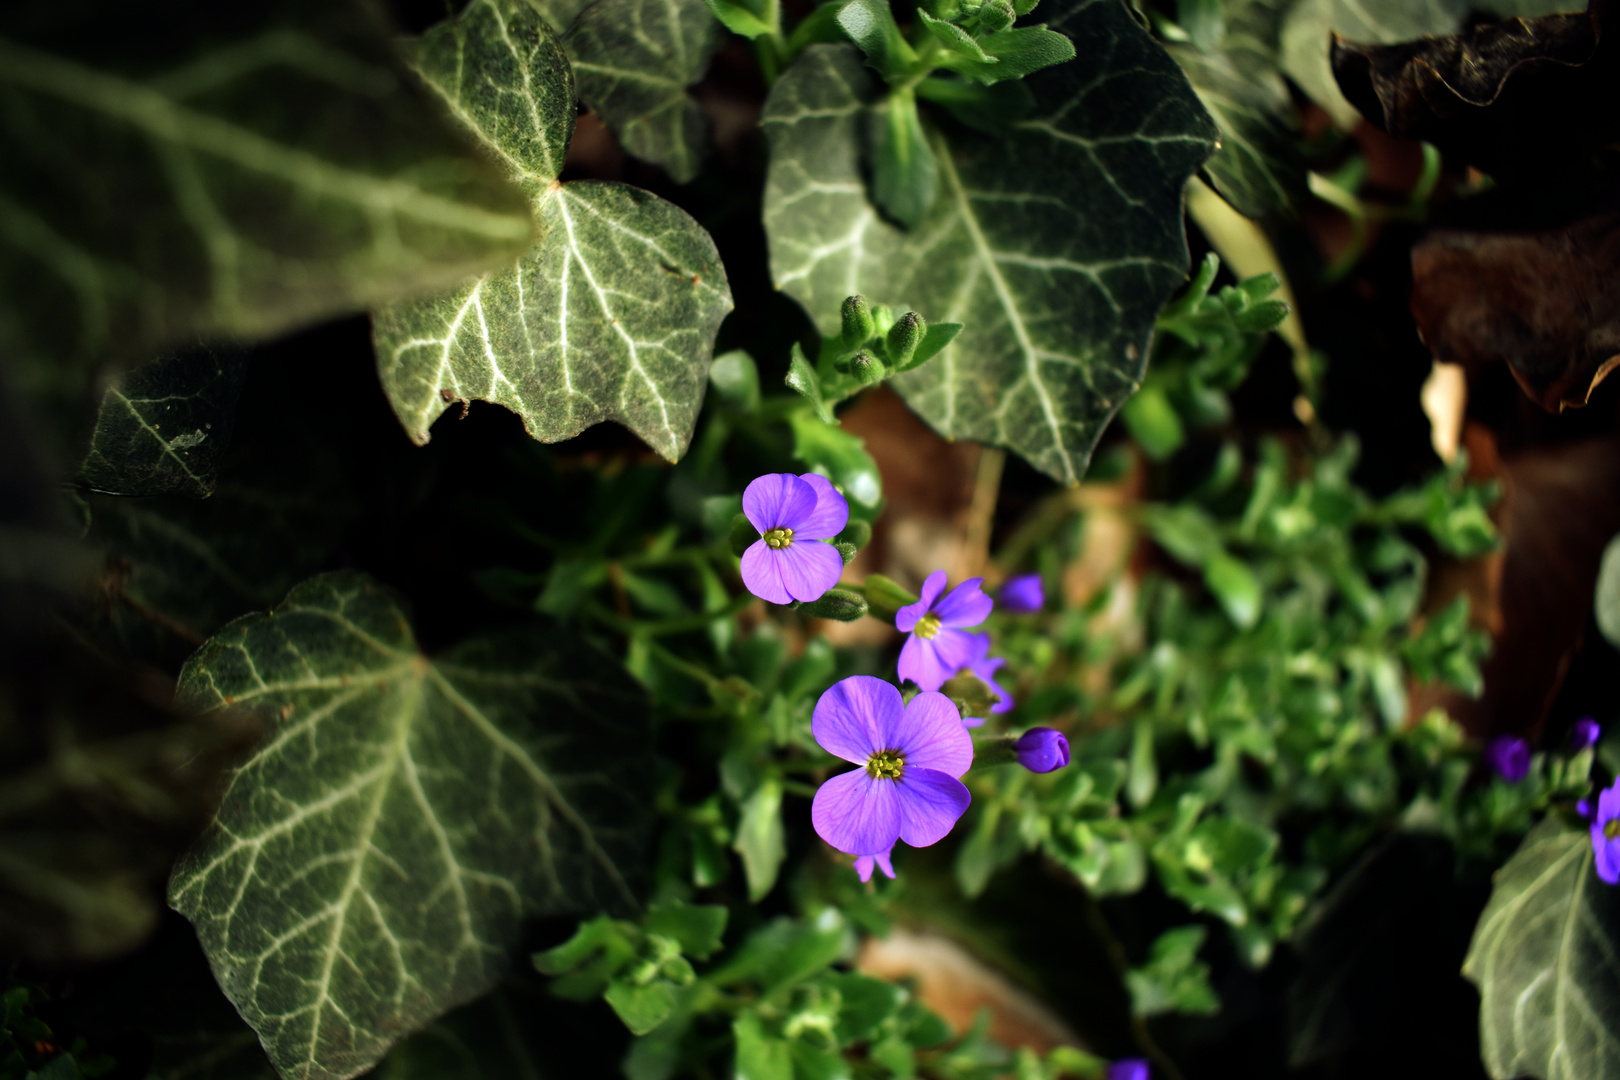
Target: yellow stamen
1611 828
927 627
886 765
778 538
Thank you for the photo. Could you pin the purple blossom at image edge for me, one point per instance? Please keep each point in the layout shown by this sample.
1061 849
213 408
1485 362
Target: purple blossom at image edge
938 646
1585 733
910 756
1022 594
1129 1069
1509 757
803 566
1604 845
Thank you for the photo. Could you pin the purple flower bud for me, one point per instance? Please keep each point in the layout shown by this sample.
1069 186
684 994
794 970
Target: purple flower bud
1606 834
1042 749
1130 1069
1584 808
1585 733
1022 594
1509 755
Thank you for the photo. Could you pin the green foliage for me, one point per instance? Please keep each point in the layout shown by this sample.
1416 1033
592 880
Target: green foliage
611 316
1173 979
374 794
256 170
1543 957
27 1046
1606 598
1058 310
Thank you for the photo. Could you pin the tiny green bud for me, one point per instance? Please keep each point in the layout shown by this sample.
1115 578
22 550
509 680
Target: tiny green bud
847 552
996 16
743 535
858 325
843 605
866 369
904 337
886 597
882 319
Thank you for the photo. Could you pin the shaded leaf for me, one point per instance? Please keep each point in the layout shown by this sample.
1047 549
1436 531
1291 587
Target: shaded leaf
1544 957
1547 302
164 427
371 863
612 316
232 170
1501 96
760 838
1606 600
633 61
1054 246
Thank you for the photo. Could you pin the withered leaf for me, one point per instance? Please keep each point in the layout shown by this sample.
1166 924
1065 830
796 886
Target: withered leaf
1520 98
1547 302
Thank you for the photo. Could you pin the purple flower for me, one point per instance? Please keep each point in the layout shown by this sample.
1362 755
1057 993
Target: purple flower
1509 755
1042 749
795 516
1584 807
864 863
1606 834
938 646
1022 594
1130 1069
1584 733
911 753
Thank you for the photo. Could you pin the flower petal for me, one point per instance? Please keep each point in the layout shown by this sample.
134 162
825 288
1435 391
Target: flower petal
775 499
985 670
930 804
809 568
762 573
852 716
864 864
1608 803
929 732
830 515
860 815
906 618
967 605
1607 867
919 662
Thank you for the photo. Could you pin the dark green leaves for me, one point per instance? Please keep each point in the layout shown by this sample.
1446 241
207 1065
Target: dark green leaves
164 427
612 316
1054 246
633 60
1544 957
284 171
371 863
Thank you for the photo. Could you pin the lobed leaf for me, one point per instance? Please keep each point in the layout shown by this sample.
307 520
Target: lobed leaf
371 863
1054 246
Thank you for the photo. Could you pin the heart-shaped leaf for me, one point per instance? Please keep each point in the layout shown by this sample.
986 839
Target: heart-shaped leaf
370 865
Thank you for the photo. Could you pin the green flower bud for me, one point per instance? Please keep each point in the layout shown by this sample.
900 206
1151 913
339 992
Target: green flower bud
844 605
847 552
904 337
858 326
866 369
882 319
996 16
886 597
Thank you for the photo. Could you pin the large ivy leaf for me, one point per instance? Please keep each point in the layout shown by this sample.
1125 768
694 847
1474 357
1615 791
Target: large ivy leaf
633 60
612 316
233 169
1055 245
164 427
371 863
1546 959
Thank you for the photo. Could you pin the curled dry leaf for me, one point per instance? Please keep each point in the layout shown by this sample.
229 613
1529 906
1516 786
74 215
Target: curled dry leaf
1547 302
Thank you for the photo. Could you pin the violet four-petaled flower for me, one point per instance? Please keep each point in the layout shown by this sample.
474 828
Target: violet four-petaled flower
795 516
939 647
1606 834
1584 733
864 864
1509 755
910 754
1130 1069
1022 594
1042 749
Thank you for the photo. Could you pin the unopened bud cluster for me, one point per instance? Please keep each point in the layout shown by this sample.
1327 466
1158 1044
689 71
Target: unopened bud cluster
875 343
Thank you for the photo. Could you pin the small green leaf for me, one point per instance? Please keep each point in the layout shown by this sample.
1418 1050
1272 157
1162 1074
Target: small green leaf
698 927
842 458
1015 53
760 838
870 25
1173 979
802 378
1606 599
956 39
373 795
735 377
1153 422
164 427
738 18
633 61
1236 587
904 176
1544 958
759 1055
642 1008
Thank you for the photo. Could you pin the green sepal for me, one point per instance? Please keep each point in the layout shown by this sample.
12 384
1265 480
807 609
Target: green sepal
870 25
972 695
933 343
989 109
857 321
802 378
904 172
847 552
738 19
857 534
840 605
885 597
1018 52
743 535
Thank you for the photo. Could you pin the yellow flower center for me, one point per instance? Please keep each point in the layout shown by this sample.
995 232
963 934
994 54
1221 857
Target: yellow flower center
927 627
886 765
778 538
1611 828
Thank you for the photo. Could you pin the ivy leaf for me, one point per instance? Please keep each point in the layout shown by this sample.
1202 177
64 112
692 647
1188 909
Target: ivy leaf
633 60
164 427
1544 959
223 171
612 316
371 864
1054 246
